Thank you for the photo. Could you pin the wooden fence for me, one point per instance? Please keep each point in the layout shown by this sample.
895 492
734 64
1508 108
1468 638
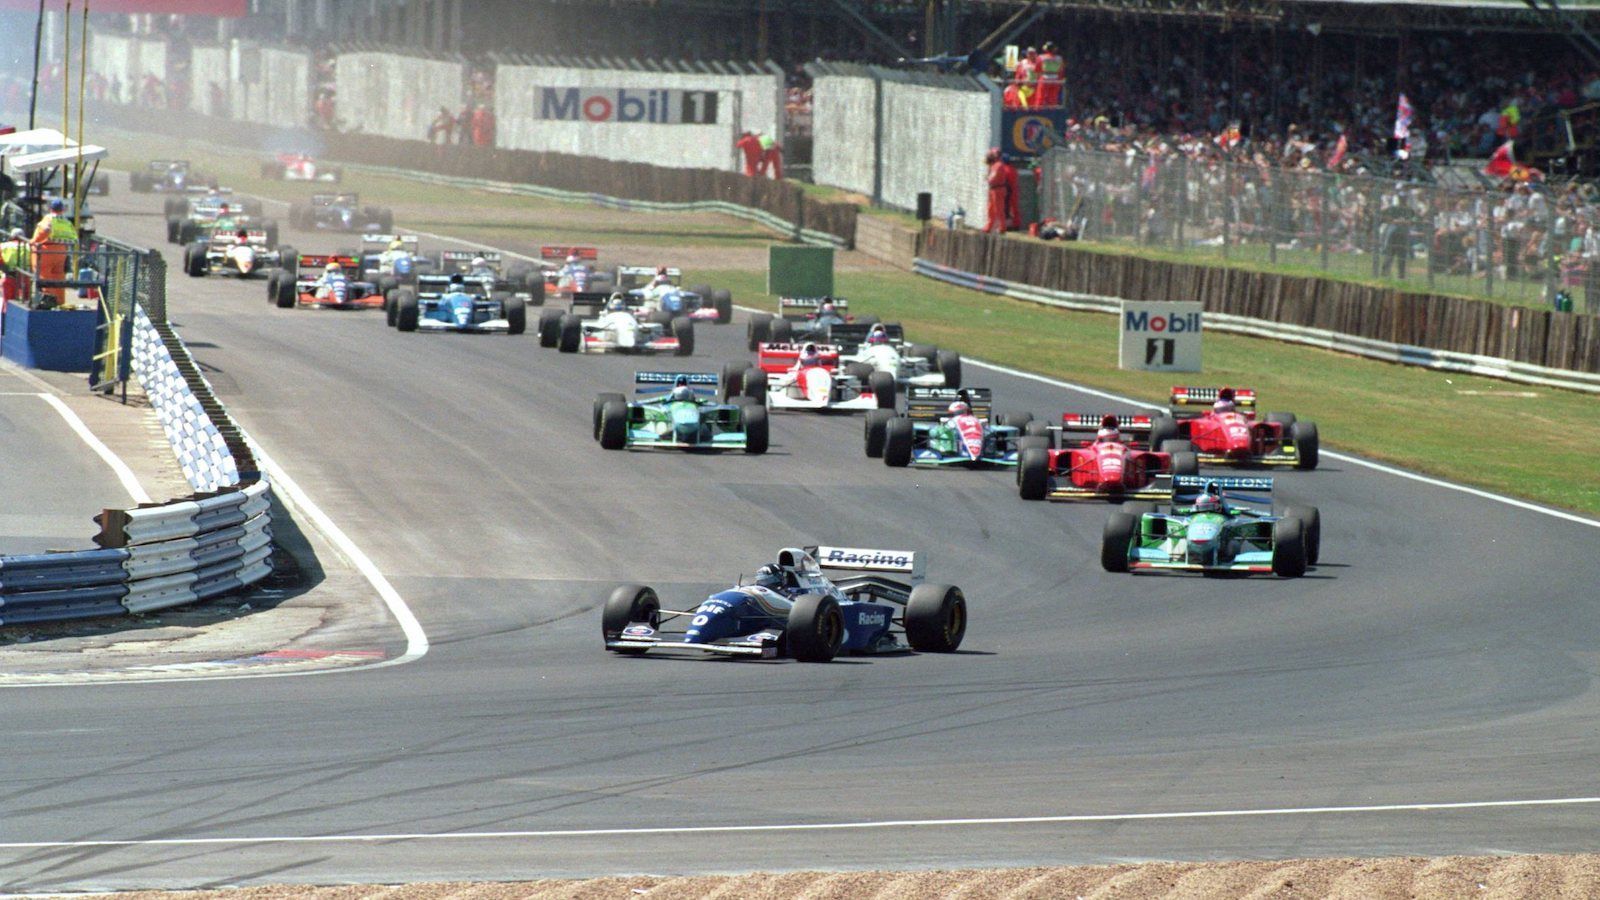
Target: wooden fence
1557 340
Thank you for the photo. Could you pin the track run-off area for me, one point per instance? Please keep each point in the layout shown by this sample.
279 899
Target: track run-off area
1427 690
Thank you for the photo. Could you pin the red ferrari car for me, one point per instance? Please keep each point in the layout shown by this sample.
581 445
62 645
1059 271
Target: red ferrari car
1101 457
1228 433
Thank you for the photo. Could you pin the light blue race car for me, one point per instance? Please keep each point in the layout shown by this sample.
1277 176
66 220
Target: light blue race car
453 303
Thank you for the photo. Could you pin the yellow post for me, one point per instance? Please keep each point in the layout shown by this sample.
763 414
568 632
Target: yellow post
66 78
83 72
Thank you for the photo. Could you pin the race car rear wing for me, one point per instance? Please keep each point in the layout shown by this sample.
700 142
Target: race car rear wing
773 358
649 383
905 563
231 236
1243 398
319 261
853 335
587 254
1250 489
162 165
382 241
647 271
805 307
931 403
587 303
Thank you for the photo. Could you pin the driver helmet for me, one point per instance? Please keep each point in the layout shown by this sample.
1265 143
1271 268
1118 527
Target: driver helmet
397 244
1107 436
572 259
457 279
1222 406
878 335
959 408
809 351
617 304
1208 502
683 392
479 262
222 208
332 268
769 576
242 235
826 309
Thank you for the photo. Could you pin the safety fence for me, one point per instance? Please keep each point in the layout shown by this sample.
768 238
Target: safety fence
1508 337
160 555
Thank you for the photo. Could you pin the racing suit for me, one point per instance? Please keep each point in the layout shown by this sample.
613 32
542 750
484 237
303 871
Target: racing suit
388 258
332 287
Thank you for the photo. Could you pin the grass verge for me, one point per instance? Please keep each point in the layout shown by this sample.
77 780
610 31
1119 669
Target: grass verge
1460 427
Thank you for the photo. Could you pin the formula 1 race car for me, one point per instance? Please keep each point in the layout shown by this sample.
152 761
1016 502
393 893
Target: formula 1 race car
928 435
1084 467
1204 530
802 319
165 176
601 323
787 381
402 268
664 302
570 270
883 348
1230 434
676 411
863 604
487 266
243 254
453 303
299 167
190 219
301 285
340 212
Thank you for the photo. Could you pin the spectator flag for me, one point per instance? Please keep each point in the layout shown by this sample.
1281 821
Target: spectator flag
1503 164
1402 121
1340 150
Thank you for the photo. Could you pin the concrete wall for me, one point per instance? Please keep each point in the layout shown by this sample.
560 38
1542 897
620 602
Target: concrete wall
209 66
747 101
282 96
842 153
935 131
396 96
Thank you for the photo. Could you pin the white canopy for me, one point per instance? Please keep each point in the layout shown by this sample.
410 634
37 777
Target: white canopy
50 159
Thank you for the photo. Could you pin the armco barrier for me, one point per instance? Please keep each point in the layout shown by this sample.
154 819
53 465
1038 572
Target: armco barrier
160 555
1404 354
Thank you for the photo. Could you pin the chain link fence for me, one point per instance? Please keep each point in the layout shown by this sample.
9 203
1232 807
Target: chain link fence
1529 245
133 276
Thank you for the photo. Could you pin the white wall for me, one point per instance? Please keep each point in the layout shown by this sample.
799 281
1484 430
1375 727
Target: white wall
745 102
283 95
842 125
396 96
208 66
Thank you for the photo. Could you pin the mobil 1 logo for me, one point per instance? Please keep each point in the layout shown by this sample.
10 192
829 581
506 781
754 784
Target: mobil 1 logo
1163 337
659 106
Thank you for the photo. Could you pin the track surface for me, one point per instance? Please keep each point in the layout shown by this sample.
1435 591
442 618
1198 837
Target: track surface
1444 652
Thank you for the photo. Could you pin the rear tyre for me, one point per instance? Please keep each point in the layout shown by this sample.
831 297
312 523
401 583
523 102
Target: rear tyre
516 315
387 283
898 435
936 618
683 330
658 317
194 260
1281 418
600 405
925 351
815 628
286 292
1172 446
629 603
569 333
859 371
1288 548
758 330
289 260
1311 524
780 331
1039 428
1163 429
1014 420
272 285
754 385
173 225
549 327
877 431
533 283
723 301
732 377
406 311
756 430
1304 435
1116 541
1185 464
1034 442
1033 473
883 389
614 424
949 363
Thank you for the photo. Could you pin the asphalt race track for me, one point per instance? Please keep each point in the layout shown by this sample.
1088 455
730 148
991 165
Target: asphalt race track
1443 653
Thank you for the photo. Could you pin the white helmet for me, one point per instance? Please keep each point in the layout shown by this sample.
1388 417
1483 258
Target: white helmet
572 258
479 262
683 392
959 408
1108 436
331 268
1222 406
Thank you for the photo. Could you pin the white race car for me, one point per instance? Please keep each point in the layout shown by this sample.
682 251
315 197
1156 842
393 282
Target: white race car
820 386
883 348
243 255
598 323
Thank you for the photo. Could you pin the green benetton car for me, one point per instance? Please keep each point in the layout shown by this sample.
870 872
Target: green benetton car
679 411
1203 531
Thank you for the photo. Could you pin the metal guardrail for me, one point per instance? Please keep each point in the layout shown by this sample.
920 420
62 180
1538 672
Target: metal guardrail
1404 354
161 555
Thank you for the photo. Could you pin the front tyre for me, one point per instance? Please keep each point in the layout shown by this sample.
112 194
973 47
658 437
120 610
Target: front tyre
1288 548
815 628
614 425
877 427
1304 435
1117 541
629 603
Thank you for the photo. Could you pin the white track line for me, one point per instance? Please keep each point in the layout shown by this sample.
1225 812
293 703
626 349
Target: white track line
813 826
130 481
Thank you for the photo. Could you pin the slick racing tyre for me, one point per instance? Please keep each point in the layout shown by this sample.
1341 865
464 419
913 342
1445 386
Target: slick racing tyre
949 365
614 425
754 385
1311 523
898 436
406 311
1304 435
1163 429
1288 548
287 292
629 603
723 301
883 389
877 427
1033 473
549 327
758 330
756 427
732 378
599 405
815 628
1117 540
781 331
570 331
936 618
516 313
683 330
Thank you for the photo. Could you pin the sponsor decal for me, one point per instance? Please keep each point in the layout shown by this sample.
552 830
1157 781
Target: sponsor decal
871 619
1144 320
625 105
885 559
